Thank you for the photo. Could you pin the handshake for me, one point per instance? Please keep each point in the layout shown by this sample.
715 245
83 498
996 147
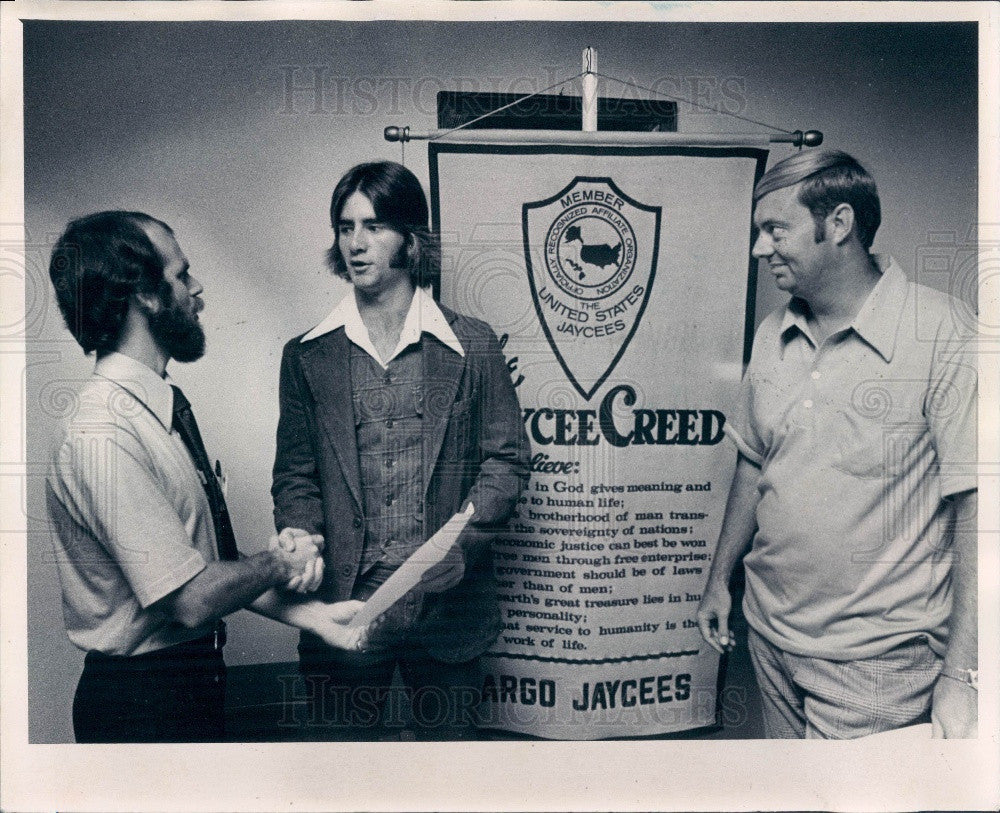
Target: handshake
437 566
298 553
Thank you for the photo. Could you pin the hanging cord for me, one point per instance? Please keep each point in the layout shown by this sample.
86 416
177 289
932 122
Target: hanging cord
612 79
693 103
499 109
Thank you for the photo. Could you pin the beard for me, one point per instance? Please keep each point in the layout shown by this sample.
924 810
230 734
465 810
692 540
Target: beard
177 332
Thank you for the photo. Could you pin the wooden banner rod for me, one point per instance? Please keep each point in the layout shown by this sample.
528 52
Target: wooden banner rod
606 138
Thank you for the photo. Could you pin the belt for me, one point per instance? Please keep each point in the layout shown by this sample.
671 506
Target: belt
205 645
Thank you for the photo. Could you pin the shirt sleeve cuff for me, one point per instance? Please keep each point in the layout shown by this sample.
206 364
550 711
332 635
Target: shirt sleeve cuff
950 486
179 576
750 454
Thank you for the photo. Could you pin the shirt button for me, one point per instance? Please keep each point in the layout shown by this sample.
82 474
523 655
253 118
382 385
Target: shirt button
346 571
815 375
388 463
357 522
388 500
388 378
388 424
808 404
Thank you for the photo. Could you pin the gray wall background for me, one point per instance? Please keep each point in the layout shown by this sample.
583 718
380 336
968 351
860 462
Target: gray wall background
193 123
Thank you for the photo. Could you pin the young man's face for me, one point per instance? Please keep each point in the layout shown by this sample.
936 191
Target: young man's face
370 249
787 240
174 324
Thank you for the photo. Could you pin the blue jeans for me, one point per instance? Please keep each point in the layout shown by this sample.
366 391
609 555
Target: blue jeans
814 698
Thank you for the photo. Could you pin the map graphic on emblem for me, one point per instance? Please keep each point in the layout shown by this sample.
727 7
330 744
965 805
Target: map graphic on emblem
590 252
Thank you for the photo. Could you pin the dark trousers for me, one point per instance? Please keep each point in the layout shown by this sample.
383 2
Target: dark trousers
175 694
351 696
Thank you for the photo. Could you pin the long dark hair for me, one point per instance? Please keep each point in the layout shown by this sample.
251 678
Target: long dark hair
399 202
99 262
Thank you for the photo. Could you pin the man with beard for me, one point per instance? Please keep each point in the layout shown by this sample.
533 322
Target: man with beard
146 552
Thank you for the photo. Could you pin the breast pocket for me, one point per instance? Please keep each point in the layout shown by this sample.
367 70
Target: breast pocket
867 448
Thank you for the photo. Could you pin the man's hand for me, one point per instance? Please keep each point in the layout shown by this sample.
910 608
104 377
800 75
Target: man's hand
331 624
446 573
299 553
953 706
738 527
954 710
713 617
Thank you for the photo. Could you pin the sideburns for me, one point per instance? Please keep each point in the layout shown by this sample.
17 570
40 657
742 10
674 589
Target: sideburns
405 256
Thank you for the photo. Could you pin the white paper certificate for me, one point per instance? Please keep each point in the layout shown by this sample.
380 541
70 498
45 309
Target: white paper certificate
412 570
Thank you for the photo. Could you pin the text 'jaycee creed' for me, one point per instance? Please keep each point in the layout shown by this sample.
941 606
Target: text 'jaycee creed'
586 427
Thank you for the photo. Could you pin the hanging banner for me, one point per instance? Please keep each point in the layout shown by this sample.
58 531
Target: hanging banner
619 282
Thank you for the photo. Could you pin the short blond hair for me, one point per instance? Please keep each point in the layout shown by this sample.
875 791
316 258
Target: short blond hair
828 178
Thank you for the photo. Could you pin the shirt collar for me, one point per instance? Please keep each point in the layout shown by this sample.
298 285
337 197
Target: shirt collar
424 316
797 316
141 382
877 322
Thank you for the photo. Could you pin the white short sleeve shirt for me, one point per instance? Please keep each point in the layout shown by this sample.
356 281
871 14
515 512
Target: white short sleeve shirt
131 518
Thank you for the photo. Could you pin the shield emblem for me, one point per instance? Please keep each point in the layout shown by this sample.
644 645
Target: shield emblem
590 252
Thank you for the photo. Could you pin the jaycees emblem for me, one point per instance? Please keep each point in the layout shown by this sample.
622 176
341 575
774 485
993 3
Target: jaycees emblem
591 255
